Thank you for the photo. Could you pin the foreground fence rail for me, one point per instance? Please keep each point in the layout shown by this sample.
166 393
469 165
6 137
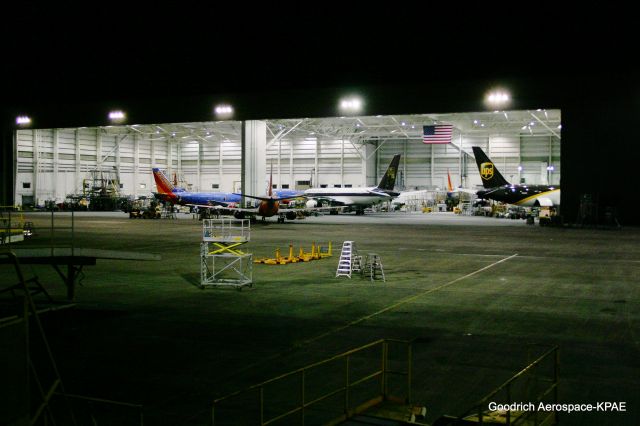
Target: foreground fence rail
347 383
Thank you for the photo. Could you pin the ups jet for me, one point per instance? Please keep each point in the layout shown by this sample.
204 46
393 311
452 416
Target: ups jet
497 188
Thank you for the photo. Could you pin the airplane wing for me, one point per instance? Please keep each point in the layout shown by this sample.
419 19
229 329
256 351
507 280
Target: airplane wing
465 190
268 198
224 206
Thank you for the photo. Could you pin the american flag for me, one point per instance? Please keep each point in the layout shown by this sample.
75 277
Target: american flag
440 133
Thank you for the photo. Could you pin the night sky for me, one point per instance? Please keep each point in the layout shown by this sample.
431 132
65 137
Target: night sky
68 64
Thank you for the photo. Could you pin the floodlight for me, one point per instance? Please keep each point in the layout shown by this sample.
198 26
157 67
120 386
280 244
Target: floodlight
497 98
223 111
117 116
351 104
23 120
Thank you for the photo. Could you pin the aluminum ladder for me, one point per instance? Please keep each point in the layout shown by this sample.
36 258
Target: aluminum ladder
347 257
373 267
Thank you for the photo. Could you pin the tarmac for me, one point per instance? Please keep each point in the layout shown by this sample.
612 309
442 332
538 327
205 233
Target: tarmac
477 296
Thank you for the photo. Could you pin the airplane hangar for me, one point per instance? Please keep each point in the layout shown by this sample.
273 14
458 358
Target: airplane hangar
325 152
467 304
438 318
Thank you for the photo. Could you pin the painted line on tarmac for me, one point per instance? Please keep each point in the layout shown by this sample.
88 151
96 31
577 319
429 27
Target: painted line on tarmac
403 301
359 320
448 253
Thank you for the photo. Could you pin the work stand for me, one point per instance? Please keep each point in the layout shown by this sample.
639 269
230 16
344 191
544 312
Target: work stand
222 262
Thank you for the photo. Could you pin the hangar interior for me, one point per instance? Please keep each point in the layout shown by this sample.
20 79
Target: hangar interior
318 152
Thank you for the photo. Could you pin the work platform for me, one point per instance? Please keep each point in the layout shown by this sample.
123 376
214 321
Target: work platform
74 259
222 262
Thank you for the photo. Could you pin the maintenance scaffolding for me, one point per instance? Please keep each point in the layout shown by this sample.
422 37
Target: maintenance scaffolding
222 263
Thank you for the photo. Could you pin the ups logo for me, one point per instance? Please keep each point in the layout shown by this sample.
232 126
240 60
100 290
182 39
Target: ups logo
392 173
486 171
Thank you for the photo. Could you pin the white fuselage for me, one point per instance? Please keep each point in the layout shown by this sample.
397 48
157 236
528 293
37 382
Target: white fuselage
349 196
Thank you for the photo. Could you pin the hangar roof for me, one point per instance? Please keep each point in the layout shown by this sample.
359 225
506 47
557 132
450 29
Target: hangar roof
365 128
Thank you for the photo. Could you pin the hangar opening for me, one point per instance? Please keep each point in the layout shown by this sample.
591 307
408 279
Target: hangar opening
67 166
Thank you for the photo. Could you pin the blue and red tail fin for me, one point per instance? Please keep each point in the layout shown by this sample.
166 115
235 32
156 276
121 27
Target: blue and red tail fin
163 185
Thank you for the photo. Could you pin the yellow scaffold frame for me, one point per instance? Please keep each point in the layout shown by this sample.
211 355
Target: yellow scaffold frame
222 263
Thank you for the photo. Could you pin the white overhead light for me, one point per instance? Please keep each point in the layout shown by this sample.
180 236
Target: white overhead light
223 111
519 168
559 126
497 97
351 104
117 116
23 120
550 168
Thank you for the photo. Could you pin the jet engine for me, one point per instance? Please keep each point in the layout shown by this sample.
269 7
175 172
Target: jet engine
290 215
311 204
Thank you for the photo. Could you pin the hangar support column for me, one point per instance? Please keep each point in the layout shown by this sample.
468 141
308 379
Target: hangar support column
254 149
369 163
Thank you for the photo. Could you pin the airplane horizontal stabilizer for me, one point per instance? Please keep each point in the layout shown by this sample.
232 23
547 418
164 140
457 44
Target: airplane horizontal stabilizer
269 198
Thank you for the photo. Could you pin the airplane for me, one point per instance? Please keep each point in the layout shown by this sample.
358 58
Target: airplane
497 188
168 191
454 193
269 206
357 198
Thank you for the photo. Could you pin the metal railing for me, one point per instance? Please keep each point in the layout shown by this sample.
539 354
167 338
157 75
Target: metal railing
349 404
226 230
100 411
505 392
12 219
47 401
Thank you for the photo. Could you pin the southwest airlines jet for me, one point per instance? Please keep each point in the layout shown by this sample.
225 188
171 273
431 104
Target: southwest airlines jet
169 192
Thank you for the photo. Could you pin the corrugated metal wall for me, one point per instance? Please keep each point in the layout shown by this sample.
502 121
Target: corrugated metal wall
54 162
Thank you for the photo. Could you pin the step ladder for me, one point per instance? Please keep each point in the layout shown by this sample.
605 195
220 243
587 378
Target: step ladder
373 267
346 262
